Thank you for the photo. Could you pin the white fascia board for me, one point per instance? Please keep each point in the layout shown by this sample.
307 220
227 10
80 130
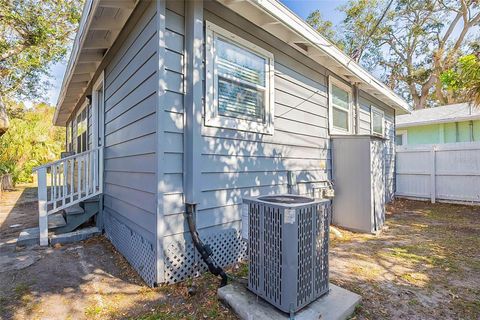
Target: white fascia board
293 22
437 121
85 21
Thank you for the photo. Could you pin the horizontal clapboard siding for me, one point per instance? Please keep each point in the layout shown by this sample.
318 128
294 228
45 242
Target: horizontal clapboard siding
173 117
366 101
130 188
237 164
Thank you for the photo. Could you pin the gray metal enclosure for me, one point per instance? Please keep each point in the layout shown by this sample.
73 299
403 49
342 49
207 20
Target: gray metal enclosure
288 251
359 178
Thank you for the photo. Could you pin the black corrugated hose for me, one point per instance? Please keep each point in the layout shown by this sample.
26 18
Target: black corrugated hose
204 250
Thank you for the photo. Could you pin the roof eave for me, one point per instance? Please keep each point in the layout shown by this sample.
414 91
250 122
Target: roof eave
87 52
319 48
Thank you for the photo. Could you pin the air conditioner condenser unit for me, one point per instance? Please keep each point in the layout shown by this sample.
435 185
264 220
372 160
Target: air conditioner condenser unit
288 249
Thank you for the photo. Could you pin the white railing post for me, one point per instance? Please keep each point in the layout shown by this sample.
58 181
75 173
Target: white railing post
94 171
72 187
64 178
433 173
42 206
100 170
79 179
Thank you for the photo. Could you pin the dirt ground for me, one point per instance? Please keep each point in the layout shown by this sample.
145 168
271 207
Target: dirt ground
425 265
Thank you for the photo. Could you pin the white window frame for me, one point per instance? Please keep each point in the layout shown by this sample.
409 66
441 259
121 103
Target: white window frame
80 110
404 134
373 110
332 81
212 117
98 112
98 124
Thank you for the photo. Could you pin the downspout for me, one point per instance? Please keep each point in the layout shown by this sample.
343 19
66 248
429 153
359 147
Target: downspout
204 249
192 127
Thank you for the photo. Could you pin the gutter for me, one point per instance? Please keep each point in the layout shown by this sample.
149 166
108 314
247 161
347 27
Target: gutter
447 120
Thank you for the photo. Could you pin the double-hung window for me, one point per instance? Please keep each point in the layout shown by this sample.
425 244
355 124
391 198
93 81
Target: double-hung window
377 120
239 83
69 134
82 128
340 107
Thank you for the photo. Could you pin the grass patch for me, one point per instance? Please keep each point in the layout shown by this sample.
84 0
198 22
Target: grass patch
3 303
93 311
21 289
415 278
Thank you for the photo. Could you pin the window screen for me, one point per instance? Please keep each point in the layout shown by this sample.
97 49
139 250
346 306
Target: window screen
377 118
239 82
82 131
340 108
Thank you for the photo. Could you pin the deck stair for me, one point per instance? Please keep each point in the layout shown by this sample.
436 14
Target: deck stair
69 196
78 214
66 226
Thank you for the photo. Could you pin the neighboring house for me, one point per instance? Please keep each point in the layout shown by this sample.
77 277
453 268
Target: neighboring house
202 103
446 124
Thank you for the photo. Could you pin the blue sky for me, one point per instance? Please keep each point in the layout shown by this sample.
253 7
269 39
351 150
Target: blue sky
300 7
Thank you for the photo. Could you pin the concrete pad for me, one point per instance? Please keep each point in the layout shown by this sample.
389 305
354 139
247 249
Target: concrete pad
74 236
338 304
29 237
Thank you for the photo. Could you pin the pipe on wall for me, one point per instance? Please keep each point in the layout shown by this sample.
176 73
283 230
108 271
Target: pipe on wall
193 115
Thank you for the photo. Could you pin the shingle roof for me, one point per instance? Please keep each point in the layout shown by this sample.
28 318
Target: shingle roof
449 113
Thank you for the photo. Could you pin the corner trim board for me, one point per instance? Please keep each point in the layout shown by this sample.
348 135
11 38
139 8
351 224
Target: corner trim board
161 88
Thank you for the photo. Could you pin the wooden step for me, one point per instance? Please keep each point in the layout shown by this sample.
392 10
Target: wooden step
92 199
56 220
75 209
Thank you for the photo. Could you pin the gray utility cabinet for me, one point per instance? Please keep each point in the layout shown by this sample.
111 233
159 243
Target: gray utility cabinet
359 182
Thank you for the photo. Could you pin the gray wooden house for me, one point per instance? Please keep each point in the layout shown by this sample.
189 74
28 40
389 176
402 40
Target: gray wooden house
168 103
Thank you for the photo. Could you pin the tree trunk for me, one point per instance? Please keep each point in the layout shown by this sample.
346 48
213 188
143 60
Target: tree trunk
7 182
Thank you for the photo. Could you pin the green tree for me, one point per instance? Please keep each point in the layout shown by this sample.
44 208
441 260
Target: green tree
33 34
409 42
324 27
30 141
464 79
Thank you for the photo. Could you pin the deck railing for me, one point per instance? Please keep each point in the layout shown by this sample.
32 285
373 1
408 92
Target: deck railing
65 182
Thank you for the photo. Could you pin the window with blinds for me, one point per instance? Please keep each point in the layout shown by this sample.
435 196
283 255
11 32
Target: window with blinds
239 83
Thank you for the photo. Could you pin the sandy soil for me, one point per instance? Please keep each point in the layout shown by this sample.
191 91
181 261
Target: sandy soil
425 265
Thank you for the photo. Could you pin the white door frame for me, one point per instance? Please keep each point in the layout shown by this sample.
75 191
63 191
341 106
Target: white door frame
98 118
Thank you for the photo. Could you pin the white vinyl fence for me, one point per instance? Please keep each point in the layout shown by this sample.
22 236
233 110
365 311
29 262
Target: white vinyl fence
447 172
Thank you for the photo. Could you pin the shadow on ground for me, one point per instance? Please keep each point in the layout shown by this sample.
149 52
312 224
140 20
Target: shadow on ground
87 280
425 265
84 280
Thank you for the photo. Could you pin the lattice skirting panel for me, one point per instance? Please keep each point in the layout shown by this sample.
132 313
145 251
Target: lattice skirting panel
182 260
139 252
